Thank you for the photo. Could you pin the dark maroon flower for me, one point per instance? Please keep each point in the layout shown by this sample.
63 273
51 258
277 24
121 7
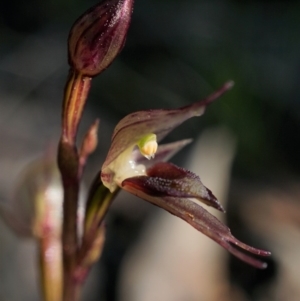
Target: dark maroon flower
137 164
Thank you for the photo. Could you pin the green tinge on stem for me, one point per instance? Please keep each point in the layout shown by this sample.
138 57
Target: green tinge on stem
100 198
51 268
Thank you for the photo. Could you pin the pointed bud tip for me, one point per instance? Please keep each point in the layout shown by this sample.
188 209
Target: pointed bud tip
213 201
90 141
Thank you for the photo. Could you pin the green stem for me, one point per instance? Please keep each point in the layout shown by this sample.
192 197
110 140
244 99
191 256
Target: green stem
47 228
99 200
51 268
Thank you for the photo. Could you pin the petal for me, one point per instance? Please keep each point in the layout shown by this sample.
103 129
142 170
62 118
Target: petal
160 122
168 180
204 222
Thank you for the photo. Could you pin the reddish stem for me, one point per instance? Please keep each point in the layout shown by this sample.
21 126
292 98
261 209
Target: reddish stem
75 96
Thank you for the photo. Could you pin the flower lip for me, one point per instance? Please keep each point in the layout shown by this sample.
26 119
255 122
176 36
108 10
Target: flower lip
132 163
168 180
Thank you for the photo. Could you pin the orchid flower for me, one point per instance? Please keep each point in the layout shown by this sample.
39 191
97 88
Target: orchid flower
137 164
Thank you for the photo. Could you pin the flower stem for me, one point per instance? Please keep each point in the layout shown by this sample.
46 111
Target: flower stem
76 92
99 200
75 96
51 268
68 165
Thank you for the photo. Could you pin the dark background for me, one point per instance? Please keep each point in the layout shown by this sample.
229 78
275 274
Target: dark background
176 52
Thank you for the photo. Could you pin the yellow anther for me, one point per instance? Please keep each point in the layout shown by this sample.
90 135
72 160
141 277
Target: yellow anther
148 146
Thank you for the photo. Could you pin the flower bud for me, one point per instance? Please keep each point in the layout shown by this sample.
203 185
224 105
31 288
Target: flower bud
98 36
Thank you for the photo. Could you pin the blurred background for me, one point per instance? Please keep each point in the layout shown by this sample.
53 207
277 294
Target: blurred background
176 52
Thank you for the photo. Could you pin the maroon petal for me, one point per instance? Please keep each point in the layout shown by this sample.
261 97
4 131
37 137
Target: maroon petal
166 179
203 221
160 122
